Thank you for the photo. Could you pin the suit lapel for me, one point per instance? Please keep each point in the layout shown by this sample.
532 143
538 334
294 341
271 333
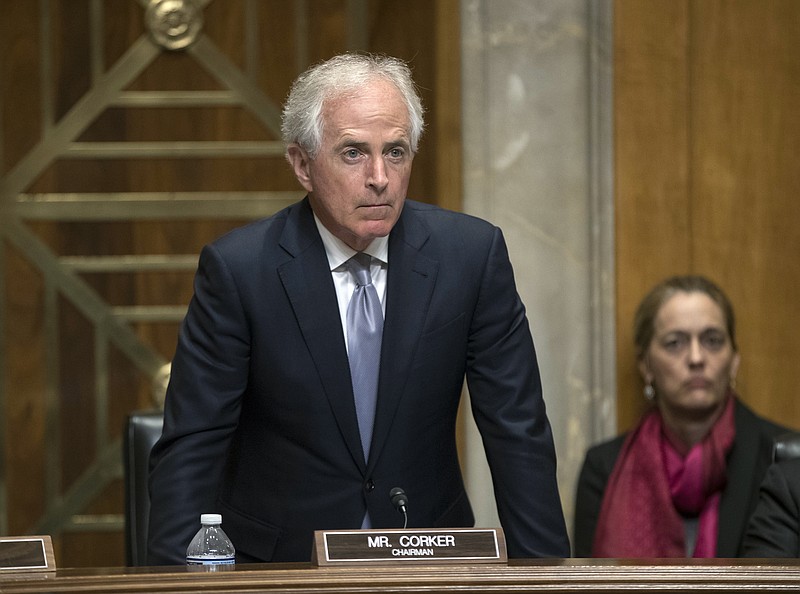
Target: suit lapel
308 284
410 283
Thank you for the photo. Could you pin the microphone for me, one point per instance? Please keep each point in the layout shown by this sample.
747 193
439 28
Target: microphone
400 501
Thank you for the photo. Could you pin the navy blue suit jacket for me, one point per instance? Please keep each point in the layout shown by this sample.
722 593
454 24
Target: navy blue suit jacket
260 423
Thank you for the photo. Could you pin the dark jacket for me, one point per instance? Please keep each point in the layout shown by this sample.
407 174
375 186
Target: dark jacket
747 463
774 528
260 423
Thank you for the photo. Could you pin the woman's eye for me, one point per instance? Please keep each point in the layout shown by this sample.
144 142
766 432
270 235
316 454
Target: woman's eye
714 341
674 344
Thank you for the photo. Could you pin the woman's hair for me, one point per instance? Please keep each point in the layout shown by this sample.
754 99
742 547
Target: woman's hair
643 321
343 75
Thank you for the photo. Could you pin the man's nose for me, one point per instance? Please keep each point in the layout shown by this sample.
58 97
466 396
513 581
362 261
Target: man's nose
377 177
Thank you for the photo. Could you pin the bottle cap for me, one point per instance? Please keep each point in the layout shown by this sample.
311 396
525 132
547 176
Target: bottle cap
211 518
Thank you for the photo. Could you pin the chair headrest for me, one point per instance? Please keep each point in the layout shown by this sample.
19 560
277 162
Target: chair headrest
786 446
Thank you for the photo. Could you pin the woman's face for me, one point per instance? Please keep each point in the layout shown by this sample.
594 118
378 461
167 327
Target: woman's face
690 361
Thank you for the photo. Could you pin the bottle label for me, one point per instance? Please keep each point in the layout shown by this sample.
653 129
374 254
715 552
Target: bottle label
210 560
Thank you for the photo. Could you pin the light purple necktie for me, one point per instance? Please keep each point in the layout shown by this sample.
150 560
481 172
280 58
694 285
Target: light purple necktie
364 334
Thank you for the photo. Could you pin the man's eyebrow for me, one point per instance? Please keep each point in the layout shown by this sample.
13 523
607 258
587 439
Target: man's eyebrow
402 141
349 141
363 146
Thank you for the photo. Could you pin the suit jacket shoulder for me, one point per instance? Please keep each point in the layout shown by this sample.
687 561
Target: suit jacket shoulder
285 233
774 527
747 463
451 236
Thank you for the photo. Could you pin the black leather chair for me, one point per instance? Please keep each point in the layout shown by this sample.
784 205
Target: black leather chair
142 430
786 446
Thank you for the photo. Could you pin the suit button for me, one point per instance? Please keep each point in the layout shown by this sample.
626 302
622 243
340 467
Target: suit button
369 486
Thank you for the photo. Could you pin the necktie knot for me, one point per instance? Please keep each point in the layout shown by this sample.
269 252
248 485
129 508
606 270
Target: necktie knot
358 266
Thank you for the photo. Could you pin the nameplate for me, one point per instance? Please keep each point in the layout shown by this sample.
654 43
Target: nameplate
27 553
441 545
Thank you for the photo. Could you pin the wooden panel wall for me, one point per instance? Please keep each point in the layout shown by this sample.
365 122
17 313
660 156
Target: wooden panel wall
707 177
53 430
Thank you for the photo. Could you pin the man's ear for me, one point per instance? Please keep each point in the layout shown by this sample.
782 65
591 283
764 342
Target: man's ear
300 161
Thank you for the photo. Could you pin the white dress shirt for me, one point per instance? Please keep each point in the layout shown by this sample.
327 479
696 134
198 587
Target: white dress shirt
339 253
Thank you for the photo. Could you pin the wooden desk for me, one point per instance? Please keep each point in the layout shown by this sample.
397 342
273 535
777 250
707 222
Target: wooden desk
541 576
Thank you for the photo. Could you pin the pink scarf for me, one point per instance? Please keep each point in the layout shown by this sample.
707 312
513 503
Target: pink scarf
652 485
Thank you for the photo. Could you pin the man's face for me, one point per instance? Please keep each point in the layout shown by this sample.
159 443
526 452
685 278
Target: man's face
358 181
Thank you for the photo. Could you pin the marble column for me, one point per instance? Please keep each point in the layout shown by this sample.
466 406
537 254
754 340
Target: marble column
538 163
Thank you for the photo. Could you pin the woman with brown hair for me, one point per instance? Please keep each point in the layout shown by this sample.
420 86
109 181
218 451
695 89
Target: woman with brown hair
683 482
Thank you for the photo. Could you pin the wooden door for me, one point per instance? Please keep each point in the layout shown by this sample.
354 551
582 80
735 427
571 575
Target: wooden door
707 176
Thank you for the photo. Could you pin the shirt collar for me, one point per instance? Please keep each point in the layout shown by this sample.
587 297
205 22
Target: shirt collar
339 252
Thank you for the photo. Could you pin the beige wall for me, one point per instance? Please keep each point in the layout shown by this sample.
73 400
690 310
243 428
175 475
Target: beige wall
538 162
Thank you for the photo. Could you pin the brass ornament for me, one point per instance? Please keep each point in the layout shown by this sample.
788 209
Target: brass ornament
174 24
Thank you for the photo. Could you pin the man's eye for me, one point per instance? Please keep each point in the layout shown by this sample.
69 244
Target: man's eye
397 153
351 153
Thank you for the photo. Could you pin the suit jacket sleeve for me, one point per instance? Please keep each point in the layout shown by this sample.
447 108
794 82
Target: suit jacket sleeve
506 395
773 530
201 412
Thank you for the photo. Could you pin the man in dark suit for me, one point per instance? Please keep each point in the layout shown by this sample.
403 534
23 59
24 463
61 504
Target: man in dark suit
260 420
774 527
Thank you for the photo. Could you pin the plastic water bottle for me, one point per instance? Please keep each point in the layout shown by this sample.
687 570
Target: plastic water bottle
211 547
